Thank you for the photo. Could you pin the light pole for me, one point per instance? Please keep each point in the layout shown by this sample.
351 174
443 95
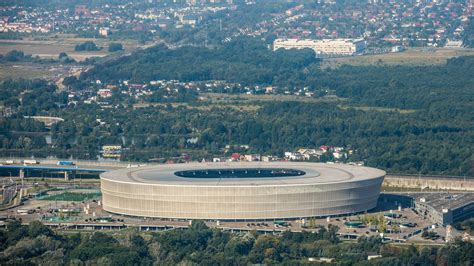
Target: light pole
419 181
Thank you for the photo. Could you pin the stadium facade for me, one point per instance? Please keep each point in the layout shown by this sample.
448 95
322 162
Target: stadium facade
241 191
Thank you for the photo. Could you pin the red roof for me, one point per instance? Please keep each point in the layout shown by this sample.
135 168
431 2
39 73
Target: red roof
235 156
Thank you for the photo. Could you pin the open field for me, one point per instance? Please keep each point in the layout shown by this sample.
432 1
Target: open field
252 103
238 102
50 47
378 109
207 107
29 70
221 97
413 56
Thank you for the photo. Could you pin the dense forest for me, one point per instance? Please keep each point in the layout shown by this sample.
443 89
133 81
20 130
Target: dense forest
243 61
250 62
409 119
468 39
436 140
36 244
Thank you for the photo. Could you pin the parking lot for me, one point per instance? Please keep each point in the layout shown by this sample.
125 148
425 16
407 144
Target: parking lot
393 219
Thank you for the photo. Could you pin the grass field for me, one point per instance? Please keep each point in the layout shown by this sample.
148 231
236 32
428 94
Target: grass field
28 71
48 49
238 102
51 46
412 56
207 107
229 98
72 196
252 103
378 109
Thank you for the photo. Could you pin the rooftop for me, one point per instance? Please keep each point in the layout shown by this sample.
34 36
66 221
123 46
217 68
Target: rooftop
244 174
447 200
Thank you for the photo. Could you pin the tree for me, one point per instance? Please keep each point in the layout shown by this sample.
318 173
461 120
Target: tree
198 225
62 55
86 46
114 47
36 228
14 56
64 58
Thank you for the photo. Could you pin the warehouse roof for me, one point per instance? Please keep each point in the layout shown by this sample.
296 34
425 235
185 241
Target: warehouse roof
440 201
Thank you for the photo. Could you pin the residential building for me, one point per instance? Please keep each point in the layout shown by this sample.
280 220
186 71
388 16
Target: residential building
323 47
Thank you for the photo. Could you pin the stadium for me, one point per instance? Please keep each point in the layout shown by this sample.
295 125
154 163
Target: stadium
241 191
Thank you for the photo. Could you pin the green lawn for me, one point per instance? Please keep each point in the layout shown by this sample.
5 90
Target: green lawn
72 196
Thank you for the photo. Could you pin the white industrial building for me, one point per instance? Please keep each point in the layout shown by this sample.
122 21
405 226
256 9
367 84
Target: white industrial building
323 47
